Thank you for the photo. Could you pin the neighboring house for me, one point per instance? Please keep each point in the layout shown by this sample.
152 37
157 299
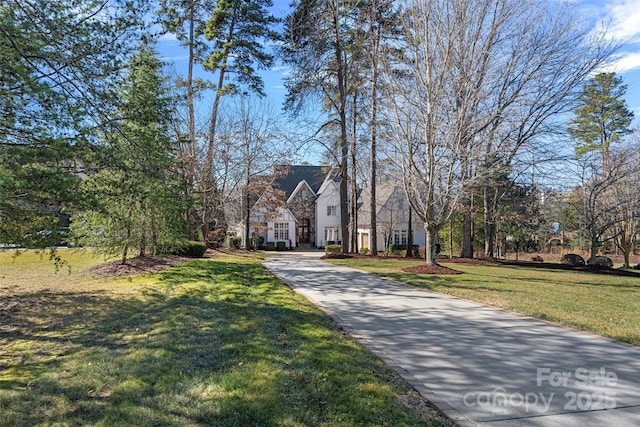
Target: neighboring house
392 218
310 215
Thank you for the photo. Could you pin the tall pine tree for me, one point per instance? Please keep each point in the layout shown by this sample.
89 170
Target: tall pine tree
602 117
139 203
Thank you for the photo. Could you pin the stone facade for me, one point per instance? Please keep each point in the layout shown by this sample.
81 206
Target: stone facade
302 206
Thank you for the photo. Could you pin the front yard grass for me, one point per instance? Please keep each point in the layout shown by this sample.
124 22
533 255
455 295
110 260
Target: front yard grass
215 341
603 304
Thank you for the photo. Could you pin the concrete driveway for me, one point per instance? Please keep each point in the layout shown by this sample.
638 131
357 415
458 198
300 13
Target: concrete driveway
480 365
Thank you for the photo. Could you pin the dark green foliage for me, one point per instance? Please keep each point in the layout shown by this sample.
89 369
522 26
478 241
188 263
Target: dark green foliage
140 202
234 243
572 259
58 61
333 249
601 261
271 246
281 246
190 249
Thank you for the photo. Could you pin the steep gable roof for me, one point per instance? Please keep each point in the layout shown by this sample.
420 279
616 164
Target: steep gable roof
313 175
383 194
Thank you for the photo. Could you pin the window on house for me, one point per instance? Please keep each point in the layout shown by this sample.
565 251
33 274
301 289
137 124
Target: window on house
331 234
331 210
399 237
281 231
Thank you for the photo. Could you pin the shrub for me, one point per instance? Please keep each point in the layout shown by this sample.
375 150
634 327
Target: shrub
189 248
415 251
537 258
281 246
364 251
601 261
572 259
271 246
234 243
390 250
333 249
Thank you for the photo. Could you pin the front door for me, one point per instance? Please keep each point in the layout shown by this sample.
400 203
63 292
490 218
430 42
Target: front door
303 231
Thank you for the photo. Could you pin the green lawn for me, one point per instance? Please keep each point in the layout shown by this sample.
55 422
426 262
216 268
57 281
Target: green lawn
602 304
212 342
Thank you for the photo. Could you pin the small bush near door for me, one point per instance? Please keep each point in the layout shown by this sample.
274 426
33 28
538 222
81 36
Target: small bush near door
333 249
281 246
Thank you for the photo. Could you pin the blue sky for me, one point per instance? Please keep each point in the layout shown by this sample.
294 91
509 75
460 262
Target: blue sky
622 18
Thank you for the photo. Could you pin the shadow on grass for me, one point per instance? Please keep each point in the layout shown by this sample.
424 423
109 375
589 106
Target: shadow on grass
213 343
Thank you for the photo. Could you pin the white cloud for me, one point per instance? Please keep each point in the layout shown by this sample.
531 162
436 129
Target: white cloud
175 58
168 37
625 62
625 20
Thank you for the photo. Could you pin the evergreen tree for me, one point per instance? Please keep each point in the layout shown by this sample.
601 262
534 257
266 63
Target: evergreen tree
318 40
57 61
137 185
602 117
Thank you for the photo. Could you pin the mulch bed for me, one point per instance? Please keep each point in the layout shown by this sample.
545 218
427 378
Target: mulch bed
431 269
426 269
559 266
138 265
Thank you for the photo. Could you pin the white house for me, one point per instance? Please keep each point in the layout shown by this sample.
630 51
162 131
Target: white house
392 218
328 214
309 217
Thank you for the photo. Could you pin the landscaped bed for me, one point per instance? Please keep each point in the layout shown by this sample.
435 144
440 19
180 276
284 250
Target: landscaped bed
216 341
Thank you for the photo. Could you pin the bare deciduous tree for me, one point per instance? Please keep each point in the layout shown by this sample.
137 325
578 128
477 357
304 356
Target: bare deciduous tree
478 81
610 198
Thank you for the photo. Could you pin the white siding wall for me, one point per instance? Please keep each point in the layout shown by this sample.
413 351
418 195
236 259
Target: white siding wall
329 196
286 217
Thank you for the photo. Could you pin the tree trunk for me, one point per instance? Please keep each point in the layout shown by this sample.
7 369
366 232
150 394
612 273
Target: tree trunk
373 236
467 231
409 251
125 249
247 221
594 244
373 129
429 252
344 141
626 255
450 238
354 189
210 191
191 149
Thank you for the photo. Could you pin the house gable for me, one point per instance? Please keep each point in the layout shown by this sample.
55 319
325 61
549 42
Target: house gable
302 185
392 217
304 188
302 204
